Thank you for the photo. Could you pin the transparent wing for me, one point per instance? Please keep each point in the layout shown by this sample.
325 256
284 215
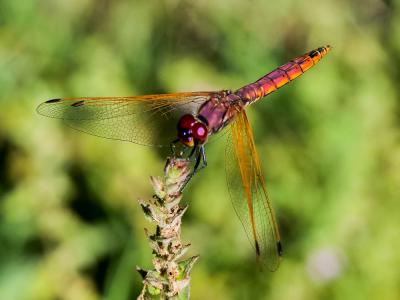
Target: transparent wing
145 120
249 195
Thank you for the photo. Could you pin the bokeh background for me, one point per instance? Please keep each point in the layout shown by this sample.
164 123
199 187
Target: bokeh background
70 225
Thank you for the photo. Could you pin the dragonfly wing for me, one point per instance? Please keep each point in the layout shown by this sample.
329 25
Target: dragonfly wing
145 120
249 195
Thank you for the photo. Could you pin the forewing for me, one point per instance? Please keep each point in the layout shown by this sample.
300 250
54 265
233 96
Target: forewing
249 195
145 120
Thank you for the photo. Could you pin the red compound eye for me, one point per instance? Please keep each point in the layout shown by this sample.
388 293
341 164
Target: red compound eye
191 131
199 132
186 122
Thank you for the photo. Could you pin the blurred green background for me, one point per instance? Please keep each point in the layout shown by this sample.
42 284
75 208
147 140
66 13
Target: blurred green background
70 225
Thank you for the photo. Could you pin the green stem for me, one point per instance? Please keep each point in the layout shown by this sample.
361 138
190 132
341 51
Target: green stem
170 277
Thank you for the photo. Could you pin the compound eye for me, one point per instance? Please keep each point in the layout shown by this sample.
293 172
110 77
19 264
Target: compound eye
185 136
186 122
199 132
184 133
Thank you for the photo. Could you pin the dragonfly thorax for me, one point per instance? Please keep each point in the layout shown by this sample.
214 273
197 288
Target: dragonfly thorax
191 131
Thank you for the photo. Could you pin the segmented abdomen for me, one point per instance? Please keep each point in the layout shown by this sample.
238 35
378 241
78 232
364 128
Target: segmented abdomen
280 76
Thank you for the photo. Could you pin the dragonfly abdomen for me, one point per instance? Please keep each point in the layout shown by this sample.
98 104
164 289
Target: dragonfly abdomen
281 76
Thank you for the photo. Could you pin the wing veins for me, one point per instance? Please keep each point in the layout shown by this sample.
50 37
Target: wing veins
255 210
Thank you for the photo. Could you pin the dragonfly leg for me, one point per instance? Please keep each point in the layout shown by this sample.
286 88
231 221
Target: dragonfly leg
201 156
190 156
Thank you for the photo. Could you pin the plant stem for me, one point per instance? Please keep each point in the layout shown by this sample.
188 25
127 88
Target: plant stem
170 278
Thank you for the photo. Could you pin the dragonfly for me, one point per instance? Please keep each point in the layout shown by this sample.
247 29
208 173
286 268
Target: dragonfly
196 117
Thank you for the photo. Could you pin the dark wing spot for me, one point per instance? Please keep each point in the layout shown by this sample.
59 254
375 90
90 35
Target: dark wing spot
313 53
279 248
321 49
258 252
76 104
53 100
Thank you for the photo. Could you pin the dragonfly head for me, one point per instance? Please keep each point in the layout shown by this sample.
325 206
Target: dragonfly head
191 131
